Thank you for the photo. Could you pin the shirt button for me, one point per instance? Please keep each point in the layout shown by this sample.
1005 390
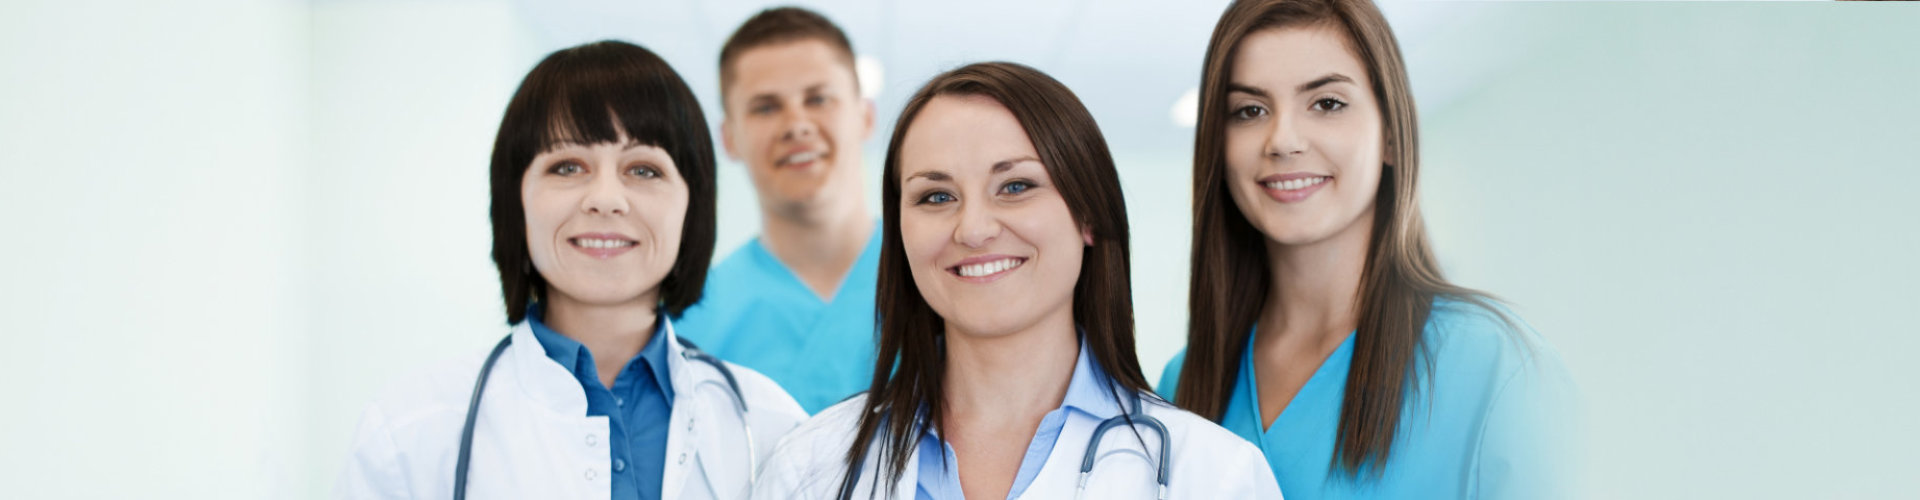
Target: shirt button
590 474
619 465
619 401
592 440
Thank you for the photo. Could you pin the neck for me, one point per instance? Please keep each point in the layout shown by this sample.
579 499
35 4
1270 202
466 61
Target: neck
1316 286
820 242
613 333
1011 378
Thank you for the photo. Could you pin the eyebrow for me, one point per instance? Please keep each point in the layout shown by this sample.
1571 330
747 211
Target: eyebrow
1007 164
818 88
1323 81
998 167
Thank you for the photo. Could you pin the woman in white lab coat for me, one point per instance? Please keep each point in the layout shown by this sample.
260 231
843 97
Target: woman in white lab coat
1006 323
603 220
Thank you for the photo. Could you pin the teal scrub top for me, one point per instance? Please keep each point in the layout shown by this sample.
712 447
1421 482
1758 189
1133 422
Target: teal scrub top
757 313
1495 418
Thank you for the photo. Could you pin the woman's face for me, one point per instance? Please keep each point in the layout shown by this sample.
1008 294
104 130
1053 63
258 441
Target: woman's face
990 242
1304 140
604 220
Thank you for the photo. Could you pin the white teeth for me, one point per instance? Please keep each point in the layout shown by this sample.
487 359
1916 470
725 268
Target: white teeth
988 268
1289 185
800 157
600 243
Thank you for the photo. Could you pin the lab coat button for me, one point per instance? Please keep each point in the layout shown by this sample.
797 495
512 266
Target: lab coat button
683 459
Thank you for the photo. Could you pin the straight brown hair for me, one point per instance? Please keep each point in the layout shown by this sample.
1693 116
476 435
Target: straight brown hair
908 374
1230 273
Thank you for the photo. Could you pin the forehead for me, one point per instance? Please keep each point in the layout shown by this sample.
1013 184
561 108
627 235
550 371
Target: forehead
791 65
962 135
1280 58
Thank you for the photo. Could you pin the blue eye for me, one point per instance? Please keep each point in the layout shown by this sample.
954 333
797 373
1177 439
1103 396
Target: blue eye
565 168
1016 187
816 100
936 198
644 172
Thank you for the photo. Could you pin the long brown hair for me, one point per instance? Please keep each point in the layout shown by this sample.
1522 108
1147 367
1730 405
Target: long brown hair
908 374
1400 279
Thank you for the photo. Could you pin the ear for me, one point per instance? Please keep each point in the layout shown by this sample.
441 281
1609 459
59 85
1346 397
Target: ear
726 139
1086 234
866 119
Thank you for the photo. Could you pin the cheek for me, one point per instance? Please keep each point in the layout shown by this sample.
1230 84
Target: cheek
922 237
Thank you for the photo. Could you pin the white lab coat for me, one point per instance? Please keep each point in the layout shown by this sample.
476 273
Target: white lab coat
534 440
1208 462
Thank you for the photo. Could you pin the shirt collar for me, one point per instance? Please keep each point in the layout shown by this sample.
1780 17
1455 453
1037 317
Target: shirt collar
1089 389
575 357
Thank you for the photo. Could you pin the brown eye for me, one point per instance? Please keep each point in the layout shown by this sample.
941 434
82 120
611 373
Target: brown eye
1247 112
1329 105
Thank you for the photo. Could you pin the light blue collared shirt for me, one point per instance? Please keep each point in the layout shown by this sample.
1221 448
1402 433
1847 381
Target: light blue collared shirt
939 472
757 313
638 407
1487 420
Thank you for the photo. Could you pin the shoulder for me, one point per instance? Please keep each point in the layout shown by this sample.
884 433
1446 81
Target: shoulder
743 262
769 400
832 428
431 391
1224 453
809 461
1483 333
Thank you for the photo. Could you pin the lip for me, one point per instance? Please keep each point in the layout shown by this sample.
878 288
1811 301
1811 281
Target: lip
1292 195
780 162
954 269
602 253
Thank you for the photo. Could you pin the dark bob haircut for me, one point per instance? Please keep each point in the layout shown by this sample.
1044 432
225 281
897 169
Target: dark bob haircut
590 94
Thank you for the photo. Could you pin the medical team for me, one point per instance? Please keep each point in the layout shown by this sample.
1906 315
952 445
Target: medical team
977 340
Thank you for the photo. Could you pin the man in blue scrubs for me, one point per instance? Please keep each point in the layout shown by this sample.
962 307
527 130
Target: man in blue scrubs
796 303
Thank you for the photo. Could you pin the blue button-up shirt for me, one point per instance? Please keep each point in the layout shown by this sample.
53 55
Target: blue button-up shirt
939 470
637 408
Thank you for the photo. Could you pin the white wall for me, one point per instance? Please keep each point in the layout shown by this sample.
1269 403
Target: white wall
154 288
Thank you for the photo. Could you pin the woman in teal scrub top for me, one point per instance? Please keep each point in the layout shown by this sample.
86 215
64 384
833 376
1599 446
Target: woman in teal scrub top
1321 328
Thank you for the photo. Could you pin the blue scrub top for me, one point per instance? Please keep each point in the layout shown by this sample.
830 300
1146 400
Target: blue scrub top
757 313
1495 418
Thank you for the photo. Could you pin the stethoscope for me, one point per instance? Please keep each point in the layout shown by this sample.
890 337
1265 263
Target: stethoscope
1091 456
688 351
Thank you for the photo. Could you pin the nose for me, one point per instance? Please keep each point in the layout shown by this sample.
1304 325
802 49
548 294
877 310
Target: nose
979 225
796 124
606 195
1285 139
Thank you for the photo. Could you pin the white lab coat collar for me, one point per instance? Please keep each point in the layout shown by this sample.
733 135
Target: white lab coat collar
557 390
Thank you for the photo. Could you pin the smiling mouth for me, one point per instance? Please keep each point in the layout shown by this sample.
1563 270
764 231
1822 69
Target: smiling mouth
985 269
601 243
799 158
1295 184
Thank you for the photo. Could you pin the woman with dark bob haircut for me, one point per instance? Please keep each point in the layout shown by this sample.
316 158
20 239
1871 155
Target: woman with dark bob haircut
1006 363
603 225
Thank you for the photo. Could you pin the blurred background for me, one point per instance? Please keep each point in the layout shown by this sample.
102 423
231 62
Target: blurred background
229 223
